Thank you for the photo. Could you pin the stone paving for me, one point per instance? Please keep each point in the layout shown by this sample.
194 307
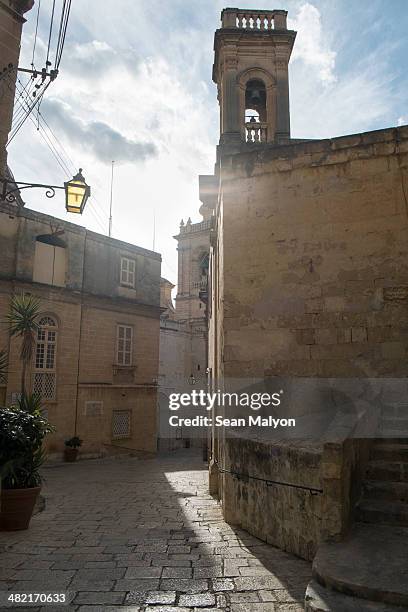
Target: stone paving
134 535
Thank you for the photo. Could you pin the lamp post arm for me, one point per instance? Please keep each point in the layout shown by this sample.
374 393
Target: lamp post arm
7 193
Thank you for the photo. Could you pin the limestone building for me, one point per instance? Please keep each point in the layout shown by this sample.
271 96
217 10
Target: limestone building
309 281
183 328
96 357
174 335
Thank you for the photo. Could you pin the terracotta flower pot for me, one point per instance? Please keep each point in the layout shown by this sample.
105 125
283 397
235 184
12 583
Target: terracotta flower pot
70 454
17 507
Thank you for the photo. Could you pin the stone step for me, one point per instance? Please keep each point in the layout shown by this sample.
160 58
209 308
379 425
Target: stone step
387 436
396 422
394 429
398 410
382 512
390 490
321 599
387 470
389 451
370 564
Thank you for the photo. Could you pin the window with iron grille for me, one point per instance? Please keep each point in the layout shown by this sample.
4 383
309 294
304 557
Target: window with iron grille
121 420
127 271
124 345
44 383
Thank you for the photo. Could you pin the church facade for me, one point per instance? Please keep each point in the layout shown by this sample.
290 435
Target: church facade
184 326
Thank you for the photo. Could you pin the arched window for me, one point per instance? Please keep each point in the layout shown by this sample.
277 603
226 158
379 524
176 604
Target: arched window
255 111
255 97
45 359
204 263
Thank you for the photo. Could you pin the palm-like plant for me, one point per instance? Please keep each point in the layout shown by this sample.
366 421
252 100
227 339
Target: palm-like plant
23 323
3 366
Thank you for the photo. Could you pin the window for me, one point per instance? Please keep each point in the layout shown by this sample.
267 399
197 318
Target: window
93 409
204 264
127 272
124 345
45 359
121 424
49 261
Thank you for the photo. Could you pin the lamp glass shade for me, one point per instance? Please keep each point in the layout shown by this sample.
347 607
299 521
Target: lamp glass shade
77 193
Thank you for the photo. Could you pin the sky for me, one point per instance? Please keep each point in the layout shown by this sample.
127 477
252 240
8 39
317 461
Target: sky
135 87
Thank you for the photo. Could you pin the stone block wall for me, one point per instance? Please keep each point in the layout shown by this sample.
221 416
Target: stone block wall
281 513
315 272
310 279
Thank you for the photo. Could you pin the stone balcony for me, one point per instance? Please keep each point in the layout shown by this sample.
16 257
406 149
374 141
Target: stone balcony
201 285
253 19
196 227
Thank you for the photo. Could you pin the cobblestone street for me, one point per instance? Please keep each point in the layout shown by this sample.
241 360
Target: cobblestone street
126 534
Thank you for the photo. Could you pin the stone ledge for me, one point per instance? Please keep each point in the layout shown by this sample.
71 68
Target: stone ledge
371 564
321 599
314 153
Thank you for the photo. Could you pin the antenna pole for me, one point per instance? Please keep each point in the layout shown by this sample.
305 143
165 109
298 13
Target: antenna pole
111 202
154 230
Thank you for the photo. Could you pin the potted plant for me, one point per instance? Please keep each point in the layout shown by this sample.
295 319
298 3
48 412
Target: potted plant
22 431
71 448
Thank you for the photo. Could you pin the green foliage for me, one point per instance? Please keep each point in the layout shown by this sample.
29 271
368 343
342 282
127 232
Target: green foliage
23 323
3 366
74 442
22 431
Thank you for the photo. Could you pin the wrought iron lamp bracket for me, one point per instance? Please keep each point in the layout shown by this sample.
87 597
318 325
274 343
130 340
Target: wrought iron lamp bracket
10 188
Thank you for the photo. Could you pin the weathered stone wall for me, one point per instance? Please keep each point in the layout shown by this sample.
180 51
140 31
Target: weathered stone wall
310 280
315 270
286 516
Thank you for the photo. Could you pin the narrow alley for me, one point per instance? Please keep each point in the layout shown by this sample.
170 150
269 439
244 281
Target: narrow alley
134 535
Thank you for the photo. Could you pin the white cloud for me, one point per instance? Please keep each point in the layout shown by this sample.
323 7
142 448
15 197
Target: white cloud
127 112
310 46
403 120
144 71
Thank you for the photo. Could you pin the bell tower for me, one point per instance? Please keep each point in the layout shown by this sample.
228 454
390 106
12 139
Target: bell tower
252 52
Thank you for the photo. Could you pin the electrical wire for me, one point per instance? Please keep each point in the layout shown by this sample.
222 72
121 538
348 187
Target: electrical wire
58 151
36 33
22 112
60 29
28 113
63 31
50 34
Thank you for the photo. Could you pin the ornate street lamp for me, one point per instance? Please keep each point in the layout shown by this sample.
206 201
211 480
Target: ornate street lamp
77 193
76 190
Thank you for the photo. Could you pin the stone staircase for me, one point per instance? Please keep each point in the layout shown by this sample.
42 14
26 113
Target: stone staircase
368 572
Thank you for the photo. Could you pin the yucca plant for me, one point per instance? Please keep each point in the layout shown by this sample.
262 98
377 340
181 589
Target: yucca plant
3 366
23 323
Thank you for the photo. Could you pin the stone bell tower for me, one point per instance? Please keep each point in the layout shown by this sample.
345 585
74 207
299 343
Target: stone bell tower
252 52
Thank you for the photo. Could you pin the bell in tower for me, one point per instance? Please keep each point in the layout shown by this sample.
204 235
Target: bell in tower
252 52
